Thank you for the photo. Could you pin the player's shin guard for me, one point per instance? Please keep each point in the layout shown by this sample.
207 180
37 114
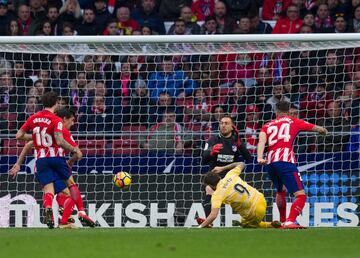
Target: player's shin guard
48 200
207 205
61 198
296 207
281 204
68 208
76 196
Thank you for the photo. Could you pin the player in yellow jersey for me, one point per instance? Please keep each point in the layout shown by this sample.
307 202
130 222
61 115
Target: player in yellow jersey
244 199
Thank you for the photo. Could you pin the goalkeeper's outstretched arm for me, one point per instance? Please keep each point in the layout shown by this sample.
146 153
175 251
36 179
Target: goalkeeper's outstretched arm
16 168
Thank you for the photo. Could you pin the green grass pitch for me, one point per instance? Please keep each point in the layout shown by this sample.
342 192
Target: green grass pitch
180 243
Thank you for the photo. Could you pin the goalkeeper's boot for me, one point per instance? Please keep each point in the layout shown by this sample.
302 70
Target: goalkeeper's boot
67 226
49 218
70 219
276 224
85 220
291 225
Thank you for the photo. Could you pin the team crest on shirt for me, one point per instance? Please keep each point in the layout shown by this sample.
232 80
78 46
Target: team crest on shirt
234 148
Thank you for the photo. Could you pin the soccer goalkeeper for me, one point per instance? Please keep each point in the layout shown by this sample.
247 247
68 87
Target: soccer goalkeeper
244 199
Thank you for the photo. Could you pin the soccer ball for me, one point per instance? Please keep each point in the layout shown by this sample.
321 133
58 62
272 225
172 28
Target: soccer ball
122 179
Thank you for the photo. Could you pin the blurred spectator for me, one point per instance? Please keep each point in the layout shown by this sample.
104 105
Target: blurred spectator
170 9
31 107
37 90
146 30
354 23
258 26
12 98
340 24
157 110
179 28
52 15
244 26
102 14
209 26
44 76
199 109
89 26
80 91
337 6
105 65
251 127
277 96
242 67
291 24
338 128
26 23
262 89
191 27
70 13
126 24
291 91
45 29
273 9
166 135
235 103
147 15
306 29
350 102
240 8
13 28
170 81
226 23
301 64
20 78
313 104
217 113
98 118
203 8
37 10
5 17
111 28
140 103
323 22
309 20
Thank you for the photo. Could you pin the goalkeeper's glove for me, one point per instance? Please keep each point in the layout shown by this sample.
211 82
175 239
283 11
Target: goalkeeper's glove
216 149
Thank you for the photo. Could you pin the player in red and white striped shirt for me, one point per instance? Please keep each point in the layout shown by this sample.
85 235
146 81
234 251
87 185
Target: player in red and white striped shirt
46 133
280 134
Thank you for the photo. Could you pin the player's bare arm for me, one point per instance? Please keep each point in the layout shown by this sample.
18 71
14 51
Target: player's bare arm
66 146
23 136
210 219
16 168
218 170
319 129
261 148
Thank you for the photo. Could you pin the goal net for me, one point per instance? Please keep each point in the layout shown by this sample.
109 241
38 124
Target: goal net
147 105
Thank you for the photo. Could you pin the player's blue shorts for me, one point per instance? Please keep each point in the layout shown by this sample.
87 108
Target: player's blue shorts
285 173
52 170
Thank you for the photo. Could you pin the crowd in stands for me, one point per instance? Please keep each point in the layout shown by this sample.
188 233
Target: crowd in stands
171 95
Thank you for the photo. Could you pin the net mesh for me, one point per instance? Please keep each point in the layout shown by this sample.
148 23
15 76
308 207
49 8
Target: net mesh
121 92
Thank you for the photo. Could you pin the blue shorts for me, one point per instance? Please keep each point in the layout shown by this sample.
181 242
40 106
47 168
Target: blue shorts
285 173
52 170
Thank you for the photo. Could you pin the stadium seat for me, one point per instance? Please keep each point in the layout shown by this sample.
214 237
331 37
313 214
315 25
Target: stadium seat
12 147
92 147
125 147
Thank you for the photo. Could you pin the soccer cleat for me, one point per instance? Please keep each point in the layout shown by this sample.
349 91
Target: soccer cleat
292 225
49 218
70 219
67 226
61 211
276 224
85 220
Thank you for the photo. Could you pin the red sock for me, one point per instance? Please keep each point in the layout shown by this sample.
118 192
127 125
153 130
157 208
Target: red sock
68 208
297 207
76 196
47 200
60 198
281 204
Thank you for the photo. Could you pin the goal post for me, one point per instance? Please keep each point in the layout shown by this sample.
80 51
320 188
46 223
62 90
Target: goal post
148 104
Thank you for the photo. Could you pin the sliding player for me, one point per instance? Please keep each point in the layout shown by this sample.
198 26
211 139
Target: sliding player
49 146
68 117
244 199
280 134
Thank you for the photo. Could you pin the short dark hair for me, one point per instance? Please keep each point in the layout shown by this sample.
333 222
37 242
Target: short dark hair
228 116
283 106
211 179
65 113
49 99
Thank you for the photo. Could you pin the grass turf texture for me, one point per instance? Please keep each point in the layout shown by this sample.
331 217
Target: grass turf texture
174 243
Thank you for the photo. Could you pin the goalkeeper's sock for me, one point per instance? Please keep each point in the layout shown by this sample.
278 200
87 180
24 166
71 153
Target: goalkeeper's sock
207 205
60 198
76 196
296 207
281 204
68 208
48 200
